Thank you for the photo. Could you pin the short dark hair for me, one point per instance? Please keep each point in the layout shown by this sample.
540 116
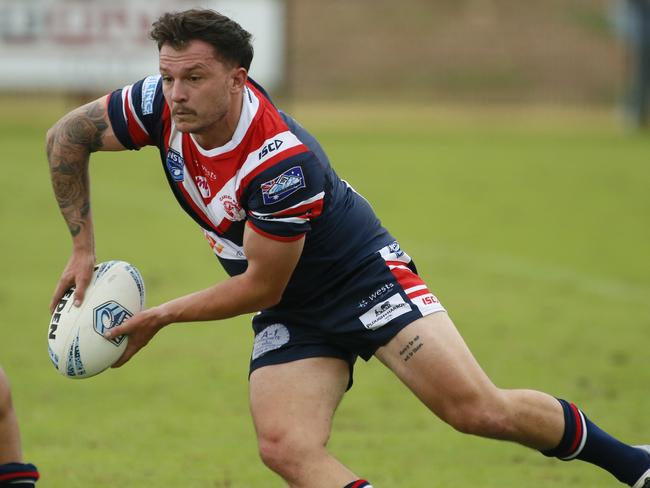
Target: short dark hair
231 42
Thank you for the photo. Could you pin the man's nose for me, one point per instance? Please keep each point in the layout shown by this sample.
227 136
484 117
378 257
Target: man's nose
178 93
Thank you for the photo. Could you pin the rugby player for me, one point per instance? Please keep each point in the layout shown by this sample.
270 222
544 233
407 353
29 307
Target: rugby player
304 249
13 472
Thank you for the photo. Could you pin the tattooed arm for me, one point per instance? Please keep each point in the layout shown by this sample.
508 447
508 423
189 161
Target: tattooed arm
69 143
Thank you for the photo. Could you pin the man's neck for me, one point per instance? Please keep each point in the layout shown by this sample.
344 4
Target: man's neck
224 129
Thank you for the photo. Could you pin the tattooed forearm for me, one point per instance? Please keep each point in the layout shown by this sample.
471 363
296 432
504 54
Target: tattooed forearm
69 144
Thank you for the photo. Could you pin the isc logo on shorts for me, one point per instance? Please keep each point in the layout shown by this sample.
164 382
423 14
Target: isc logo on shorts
384 312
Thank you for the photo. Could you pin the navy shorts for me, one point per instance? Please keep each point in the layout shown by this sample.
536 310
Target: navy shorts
360 314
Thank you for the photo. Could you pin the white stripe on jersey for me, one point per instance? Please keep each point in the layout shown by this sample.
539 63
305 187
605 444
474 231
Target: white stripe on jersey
288 220
286 140
125 92
415 288
188 183
214 209
355 191
224 248
135 113
313 199
229 190
250 105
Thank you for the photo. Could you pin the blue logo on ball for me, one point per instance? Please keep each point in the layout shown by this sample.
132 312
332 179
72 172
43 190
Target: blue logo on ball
109 315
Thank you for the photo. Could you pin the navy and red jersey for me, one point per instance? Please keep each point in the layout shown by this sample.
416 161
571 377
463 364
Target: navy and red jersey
272 176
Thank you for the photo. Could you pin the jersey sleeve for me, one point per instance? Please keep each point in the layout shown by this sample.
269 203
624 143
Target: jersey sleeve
135 112
283 200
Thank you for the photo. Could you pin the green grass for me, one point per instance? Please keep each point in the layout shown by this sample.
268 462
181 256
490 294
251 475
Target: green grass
533 231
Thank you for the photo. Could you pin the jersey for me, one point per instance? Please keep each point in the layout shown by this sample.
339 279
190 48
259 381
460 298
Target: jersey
272 176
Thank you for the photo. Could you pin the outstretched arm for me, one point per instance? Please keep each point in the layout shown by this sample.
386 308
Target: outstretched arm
69 143
270 266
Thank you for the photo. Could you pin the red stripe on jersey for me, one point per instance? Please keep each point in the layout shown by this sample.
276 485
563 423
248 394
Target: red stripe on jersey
301 148
307 211
199 212
415 294
271 236
226 165
221 228
167 127
406 278
224 225
139 137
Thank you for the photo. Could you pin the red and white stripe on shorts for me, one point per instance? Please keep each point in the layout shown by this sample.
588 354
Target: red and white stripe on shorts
414 288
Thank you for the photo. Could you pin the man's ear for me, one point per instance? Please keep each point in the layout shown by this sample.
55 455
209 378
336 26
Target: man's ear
238 79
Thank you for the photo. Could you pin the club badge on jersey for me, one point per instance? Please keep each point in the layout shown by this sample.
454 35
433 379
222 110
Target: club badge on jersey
175 165
283 186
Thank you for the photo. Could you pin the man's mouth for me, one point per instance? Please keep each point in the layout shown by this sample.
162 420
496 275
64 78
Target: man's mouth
182 112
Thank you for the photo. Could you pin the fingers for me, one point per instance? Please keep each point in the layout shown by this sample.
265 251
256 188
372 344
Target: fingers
78 273
119 330
131 347
128 353
140 328
136 341
61 287
82 281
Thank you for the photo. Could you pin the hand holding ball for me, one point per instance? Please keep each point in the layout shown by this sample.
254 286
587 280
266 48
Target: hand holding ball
76 342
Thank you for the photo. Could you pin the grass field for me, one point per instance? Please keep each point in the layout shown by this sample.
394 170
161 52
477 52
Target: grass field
532 228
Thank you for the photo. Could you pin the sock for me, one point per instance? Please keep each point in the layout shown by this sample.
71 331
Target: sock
18 475
358 484
584 440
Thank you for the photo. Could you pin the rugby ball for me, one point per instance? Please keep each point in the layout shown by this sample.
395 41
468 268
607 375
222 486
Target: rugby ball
76 342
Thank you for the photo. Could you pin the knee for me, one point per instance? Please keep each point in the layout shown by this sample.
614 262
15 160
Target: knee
286 455
482 415
274 452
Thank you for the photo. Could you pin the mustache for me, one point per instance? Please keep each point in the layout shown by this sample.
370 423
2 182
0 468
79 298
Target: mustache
183 110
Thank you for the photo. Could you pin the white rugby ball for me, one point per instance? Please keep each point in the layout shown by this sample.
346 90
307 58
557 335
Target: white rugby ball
76 342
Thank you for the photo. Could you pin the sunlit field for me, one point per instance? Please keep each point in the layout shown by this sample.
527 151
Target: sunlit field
532 228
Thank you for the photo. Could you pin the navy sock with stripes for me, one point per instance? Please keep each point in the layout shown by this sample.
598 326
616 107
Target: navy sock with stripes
18 475
358 484
584 440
